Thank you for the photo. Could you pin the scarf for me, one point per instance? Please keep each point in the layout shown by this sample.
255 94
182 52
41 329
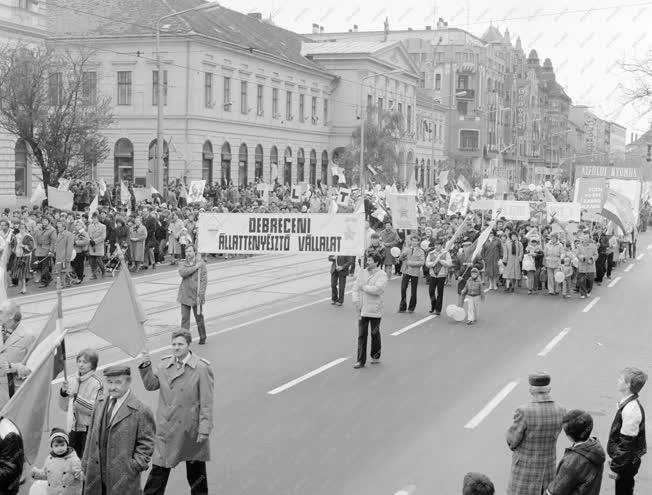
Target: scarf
68 451
513 247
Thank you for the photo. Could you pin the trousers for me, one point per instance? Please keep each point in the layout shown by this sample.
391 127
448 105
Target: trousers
338 279
195 474
363 330
600 267
474 308
413 281
97 262
436 291
625 482
199 318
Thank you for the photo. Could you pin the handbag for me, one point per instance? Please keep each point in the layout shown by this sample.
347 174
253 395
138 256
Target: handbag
528 263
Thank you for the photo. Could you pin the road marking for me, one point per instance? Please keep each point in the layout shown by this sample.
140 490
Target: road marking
305 377
640 256
487 290
413 325
407 490
650 246
629 267
614 282
590 305
212 334
493 403
554 342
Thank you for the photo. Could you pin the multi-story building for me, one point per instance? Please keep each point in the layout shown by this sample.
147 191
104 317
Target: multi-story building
617 136
21 21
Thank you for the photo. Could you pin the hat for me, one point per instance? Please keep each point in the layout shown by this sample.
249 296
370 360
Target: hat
58 433
475 270
466 240
117 371
539 379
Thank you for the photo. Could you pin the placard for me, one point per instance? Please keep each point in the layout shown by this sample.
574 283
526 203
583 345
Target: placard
404 210
590 194
196 192
459 203
301 233
512 210
564 212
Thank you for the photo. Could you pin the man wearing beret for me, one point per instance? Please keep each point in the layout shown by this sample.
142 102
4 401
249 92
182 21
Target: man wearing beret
184 414
120 439
533 440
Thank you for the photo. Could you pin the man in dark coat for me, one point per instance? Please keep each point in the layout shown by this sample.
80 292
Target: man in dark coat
184 415
120 439
533 440
340 267
627 443
580 470
11 457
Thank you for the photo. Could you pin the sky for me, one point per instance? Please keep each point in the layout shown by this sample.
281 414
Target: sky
585 40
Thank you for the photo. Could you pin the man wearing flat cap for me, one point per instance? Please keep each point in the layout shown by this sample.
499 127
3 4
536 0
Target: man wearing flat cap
120 438
533 440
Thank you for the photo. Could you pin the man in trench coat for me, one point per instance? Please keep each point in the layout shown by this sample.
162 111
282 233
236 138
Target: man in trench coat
120 439
184 415
533 440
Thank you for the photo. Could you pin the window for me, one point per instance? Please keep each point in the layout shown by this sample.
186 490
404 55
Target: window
243 98
123 156
124 88
20 162
258 160
227 94
437 82
462 107
207 163
275 103
380 112
313 110
462 82
302 108
390 106
55 88
369 107
468 140
288 105
422 80
89 88
400 108
23 4
409 118
155 87
325 111
259 100
208 90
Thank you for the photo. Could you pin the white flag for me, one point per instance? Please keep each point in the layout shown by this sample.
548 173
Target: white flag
102 187
125 197
64 184
93 207
38 195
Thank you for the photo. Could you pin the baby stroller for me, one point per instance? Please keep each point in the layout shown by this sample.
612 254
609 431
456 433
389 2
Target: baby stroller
113 264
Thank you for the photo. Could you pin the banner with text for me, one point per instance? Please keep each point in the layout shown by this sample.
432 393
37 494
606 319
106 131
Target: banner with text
564 212
590 194
404 210
308 233
512 210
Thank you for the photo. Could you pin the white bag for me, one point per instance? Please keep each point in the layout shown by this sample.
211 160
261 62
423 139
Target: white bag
39 487
528 263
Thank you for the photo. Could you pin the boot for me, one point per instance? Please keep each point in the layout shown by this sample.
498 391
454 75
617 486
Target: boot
201 329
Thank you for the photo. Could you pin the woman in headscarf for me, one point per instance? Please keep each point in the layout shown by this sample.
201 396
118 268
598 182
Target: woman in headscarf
512 259
23 245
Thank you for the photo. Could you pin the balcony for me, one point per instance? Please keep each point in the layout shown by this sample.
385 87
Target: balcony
469 94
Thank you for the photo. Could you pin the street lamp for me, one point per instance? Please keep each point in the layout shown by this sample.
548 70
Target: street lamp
157 173
363 112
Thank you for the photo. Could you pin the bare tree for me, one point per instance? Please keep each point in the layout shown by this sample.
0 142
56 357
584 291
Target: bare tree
639 91
49 98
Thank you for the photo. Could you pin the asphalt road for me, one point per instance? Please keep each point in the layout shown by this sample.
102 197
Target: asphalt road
435 408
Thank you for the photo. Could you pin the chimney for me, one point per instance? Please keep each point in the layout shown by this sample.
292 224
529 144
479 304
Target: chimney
256 15
315 28
355 28
428 28
409 29
321 29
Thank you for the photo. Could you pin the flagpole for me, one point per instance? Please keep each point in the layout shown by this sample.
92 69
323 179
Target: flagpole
60 323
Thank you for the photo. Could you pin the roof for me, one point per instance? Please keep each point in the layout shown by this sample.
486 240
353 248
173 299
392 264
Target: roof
108 18
348 46
492 35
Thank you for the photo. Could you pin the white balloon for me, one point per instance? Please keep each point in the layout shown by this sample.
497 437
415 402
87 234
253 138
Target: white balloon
396 252
425 245
532 187
539 188
548 184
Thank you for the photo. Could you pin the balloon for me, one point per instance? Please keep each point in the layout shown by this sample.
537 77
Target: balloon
396 252
425 245
539 188
532 187
559 277
455 312
548 184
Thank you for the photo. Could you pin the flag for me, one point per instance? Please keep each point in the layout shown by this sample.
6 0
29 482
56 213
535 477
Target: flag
38 195
412 184
64 184
183 193
102 187
93 207
273 170
443 178
548 196
372 170
618 209
154 191
62 200
51 332
332 208
28 408
360 206
464 184
482 238
125 197
119 318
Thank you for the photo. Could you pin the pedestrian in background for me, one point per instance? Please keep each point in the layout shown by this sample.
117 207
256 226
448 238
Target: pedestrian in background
477 484
84 388
413 258
184 416
340 267
580 470
438 262
474 291
627 442
532 438
389 238
368 292
97 238
192 291
120 439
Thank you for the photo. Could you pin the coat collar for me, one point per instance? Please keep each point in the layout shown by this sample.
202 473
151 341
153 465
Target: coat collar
191 360
130 403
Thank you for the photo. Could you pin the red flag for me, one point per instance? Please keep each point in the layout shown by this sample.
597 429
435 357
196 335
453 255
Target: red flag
50 336
119 317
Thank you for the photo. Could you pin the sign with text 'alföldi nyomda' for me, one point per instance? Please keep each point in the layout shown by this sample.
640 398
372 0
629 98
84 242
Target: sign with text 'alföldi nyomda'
259 233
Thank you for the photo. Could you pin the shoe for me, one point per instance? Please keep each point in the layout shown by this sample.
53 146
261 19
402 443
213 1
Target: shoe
202 342
94 277
333 303
598 284
529 293
401 311
410 311
582 297
358 365
375 360
469 322
431 311
437 313
338 303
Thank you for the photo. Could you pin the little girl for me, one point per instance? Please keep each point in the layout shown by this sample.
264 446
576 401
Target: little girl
184 240
62 468
474 290
567 270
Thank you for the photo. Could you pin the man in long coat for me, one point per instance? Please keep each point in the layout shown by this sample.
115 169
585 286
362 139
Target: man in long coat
184 415
533 440
16 342
97 235
120 439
